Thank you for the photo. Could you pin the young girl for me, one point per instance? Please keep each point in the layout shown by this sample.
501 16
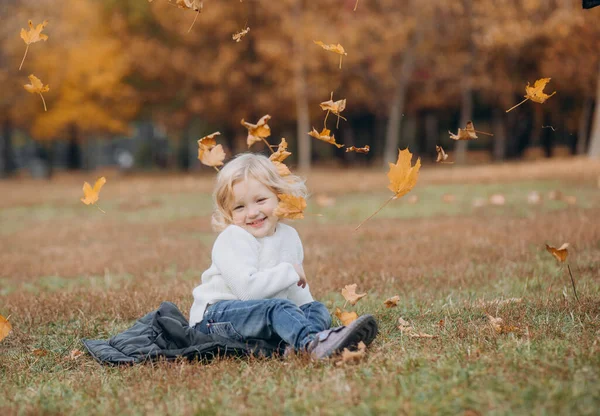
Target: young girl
256 286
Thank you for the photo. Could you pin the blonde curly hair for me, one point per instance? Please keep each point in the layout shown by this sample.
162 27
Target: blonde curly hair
242 167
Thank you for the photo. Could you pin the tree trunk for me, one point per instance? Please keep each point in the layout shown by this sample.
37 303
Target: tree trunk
499 142
74 151
302 112
466 106
584 125
594 149
7 160
431 134
392 137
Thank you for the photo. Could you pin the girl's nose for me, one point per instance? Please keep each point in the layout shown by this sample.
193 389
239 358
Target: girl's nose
253 211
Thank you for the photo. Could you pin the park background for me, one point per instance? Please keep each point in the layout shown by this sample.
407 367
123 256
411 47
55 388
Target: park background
132 89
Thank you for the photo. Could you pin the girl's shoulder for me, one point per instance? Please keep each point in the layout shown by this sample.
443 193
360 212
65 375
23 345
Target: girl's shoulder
235 232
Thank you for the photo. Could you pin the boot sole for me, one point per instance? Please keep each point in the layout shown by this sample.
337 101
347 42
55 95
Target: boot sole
363 329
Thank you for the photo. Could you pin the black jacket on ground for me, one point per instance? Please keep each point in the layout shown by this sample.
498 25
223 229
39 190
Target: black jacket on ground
165 334
588 4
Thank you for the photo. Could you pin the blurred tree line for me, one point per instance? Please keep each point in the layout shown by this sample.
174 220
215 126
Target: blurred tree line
414 70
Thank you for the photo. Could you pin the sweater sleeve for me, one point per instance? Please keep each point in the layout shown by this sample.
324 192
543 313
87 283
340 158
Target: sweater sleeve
235 254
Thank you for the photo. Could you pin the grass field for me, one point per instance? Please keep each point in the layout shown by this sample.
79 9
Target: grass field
68 272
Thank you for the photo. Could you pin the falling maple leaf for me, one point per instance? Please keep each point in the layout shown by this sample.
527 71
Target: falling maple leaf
5 327
560 253
335 107
403 177
325 136
467 134
37 87
353 356
281 154
239 35
337 48
209 153
282 169
195 5
349 293
258 131
391 302
364 150
441 155
535 93
32 36
290 207
346 318
90 195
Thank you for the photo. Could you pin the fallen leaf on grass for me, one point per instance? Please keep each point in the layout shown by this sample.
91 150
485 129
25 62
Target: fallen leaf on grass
349 293
290 207
364 150
391 302
498 324
90 195
258 131
346 318
36 86
337 48
40 352
75 354
5 327
498 302
560 253
405 327
353 356
326 136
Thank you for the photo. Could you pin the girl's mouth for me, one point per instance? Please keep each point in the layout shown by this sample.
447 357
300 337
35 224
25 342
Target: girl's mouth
257 223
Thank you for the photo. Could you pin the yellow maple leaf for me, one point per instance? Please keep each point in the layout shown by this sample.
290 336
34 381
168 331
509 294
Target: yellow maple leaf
364 150
5 327
209 153
402 175
346 318
258 131
281 154
32 36
325 136
336 48
239 35
349 293
195 5
282 169
335 107
90 195
353 356
290 207
391 302
560 253
535 93
36 86
441 155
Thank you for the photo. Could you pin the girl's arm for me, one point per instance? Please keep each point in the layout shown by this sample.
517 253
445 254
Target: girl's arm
235 254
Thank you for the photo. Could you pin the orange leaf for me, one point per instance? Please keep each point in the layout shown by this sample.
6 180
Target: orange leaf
402 175
337 48
40 352
391 302
336 107
349 293
364 150
213 157
195 5
5 327
37 87
325 136
353 356
239 35
536 93
560 253
346 318
208 142
34 35
290 207
406 327
467 134
75 354
90 195
281 154
258 131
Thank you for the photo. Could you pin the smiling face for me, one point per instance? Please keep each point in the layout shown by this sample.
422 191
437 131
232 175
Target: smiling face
253 206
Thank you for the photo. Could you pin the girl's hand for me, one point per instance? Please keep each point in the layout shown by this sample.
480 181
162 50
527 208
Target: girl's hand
300 270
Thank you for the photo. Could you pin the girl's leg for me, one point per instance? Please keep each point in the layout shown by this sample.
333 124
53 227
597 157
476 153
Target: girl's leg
318 315
261 319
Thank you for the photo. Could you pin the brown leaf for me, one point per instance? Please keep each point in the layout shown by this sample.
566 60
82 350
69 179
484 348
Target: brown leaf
5 327
441 155
467 134
499 327
353 356
239 35
281 154
325 136
75 354
560 253
290 207
208 142
213 157
282 169
346 318
195 5
364 150
391 302
402 175
40 352
337 48
536 93
405 327
349 293
259 131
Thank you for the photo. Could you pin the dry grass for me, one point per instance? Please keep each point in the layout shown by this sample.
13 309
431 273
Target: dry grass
68 271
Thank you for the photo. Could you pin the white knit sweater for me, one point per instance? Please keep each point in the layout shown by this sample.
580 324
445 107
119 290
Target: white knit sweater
247 268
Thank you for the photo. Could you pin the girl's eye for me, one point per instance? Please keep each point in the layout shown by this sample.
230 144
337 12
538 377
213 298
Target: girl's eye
238 208
262 199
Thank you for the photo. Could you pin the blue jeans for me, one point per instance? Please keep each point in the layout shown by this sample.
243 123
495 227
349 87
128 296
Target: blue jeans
267 319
